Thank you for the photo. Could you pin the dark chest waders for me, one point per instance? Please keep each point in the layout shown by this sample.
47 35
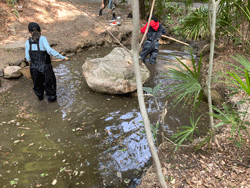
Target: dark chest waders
151 46
42 73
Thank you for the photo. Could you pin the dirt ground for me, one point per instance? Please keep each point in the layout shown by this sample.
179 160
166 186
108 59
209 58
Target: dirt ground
70 30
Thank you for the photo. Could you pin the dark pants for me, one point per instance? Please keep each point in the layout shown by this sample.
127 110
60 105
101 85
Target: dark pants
106 3
44 80
152 48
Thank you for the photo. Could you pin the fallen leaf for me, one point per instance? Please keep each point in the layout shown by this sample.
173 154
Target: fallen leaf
173 181
24 128
54 182
119 174
16 141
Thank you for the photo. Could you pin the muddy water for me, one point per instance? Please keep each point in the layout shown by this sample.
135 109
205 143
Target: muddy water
85 139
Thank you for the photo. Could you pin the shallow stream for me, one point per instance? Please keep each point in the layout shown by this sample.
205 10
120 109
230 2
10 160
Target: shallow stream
85 139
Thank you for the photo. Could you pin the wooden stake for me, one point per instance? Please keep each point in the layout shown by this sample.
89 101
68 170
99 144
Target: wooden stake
175 40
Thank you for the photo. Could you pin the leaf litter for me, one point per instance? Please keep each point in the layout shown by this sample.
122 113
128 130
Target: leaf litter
228 166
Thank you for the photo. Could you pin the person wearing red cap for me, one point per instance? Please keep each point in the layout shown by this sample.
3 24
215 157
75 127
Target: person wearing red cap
38 52
151 45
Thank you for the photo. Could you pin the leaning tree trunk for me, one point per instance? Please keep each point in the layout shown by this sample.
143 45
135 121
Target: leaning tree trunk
213 12
135 57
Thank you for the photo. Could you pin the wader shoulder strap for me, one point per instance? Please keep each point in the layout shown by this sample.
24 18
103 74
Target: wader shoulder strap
32 42
154 35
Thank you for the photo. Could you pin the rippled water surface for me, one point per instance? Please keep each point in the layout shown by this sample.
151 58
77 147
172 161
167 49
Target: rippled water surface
85 139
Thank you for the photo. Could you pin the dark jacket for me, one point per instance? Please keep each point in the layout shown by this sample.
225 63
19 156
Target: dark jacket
155 30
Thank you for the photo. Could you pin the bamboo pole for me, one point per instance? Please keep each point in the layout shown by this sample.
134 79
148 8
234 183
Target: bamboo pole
175 40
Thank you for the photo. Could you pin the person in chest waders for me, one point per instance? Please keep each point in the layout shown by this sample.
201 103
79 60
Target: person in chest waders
151 45
37 52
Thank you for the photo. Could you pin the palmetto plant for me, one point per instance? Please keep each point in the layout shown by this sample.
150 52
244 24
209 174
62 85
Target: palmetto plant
195 25
246 12
236 78
188 86
229 14
228 116
238 81
186 132
234 118
231 18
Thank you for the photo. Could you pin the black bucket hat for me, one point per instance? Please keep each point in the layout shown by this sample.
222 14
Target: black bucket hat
34 26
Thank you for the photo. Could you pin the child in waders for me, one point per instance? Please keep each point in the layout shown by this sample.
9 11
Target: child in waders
151 45
37 52
111 7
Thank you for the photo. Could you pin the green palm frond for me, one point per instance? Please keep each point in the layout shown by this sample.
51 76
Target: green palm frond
196 24
236 78
246 11
186 133
188 86
228 116
242 60
240 83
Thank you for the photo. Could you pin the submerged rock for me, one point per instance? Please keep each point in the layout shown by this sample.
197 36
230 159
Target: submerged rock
114 73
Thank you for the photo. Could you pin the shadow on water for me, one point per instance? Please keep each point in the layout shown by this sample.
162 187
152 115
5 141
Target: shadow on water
85 139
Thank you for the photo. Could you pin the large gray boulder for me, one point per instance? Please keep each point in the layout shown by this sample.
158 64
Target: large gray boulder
114 73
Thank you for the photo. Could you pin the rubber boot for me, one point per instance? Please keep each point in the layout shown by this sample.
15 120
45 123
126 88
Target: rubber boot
114 17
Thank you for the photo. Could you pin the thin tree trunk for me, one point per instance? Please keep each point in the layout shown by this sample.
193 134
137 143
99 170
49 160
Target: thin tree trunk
211 59
135 57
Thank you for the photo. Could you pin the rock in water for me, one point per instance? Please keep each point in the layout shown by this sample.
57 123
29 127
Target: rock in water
114 73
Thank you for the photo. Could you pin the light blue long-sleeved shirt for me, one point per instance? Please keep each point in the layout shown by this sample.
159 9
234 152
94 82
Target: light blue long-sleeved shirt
110 4
44 46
